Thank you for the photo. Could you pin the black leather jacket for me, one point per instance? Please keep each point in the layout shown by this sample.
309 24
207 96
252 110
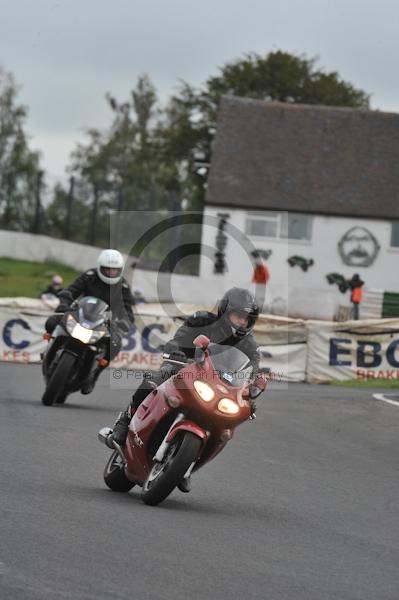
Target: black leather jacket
118 297
217 330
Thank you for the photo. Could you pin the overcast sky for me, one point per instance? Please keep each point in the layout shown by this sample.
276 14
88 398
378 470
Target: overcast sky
66 54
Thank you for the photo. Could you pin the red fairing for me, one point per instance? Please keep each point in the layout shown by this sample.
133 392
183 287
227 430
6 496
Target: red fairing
188 426
156 423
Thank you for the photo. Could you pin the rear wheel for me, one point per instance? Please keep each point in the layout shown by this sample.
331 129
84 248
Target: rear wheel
59 377
164 476
114 474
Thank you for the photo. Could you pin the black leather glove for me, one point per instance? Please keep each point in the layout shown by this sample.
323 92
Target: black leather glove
115 334
170 347
66 300
61 308
122 325
51 323
176 355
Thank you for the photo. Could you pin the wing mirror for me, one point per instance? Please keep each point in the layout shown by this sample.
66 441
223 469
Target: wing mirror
257 387
199 356
201 341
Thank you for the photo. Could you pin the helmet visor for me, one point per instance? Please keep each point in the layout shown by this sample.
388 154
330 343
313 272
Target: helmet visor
238 318
111 272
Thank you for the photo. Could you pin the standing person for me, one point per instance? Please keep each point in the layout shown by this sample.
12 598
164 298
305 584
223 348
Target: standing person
356 285
107 283
55 287
260 277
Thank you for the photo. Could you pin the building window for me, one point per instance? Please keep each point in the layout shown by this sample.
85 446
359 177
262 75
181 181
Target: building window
266 225
285 225
395 234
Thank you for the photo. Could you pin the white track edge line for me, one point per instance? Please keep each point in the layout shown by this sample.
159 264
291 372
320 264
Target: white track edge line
382 397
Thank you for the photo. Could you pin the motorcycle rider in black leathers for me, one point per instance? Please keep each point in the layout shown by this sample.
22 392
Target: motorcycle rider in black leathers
107 283
232 326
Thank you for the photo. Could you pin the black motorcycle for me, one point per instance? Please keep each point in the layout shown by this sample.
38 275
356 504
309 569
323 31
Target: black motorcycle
76 348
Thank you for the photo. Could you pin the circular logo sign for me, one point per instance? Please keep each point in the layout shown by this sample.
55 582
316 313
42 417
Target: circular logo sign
358 247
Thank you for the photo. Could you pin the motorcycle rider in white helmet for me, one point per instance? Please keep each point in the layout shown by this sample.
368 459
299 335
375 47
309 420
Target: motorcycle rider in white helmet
107 283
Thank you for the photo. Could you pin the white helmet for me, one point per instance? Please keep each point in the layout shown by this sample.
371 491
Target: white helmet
110 265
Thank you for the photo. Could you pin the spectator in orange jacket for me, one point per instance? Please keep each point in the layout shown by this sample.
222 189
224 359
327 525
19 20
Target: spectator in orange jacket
260 277
356 285
261 272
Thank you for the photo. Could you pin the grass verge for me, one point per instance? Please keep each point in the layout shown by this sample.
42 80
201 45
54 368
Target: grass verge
24 278
368 383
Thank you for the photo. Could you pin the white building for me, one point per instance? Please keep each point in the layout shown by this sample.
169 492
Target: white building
316 187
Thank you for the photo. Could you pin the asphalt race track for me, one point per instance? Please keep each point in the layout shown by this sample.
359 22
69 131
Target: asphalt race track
303 505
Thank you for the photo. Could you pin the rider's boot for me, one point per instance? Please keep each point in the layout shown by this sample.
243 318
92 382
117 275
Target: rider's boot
122 423
121 428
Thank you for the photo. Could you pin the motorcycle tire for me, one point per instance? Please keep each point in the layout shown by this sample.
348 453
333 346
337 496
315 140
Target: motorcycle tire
58 379
61 398
166 475
114 474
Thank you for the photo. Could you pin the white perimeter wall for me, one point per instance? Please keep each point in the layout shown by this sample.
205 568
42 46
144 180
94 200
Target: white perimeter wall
41 248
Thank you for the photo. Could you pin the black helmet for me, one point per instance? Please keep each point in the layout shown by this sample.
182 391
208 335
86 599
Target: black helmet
240 301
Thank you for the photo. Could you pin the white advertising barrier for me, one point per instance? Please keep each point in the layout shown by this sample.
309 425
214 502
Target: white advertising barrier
287 362
352 350
22 328
282 344
282 341
21 335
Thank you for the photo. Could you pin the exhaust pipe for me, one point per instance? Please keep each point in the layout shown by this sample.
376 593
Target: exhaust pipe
103 434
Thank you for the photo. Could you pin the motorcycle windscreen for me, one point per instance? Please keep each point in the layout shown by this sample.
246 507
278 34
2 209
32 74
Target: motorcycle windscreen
92 311
232 365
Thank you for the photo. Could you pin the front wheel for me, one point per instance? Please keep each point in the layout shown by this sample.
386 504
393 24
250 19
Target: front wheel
61 398
114 474
59 377
166 475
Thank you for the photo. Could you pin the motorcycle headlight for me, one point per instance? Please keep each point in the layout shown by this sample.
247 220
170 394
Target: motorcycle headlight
204 391
70 324
96 335
228 407
81 333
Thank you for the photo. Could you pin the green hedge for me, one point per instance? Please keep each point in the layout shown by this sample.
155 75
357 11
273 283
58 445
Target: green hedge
390 305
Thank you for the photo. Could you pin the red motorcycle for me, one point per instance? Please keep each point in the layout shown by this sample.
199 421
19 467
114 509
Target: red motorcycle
183 423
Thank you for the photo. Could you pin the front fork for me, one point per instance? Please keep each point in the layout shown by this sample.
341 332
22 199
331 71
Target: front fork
159 456
169 437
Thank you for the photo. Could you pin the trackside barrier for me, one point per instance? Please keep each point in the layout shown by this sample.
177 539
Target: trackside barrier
295 350
361 350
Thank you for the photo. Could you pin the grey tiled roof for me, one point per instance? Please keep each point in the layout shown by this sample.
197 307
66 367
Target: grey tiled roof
322 160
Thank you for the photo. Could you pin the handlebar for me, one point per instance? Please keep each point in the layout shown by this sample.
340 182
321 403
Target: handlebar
188 361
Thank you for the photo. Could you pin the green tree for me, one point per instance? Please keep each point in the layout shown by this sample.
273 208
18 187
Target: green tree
120 166
19 166
57 217
282 77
